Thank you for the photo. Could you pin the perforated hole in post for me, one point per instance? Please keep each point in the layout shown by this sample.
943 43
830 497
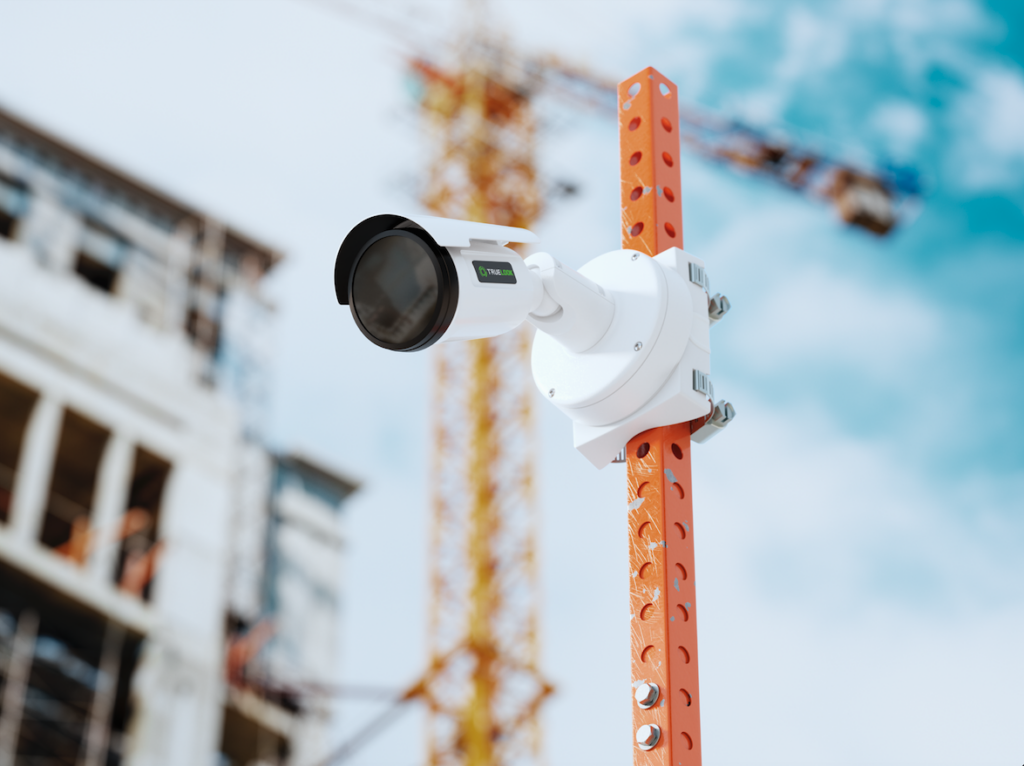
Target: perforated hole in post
634 89
643 530
666 123
636 193
645 613
684 612
669 194
681 571
686 655
665 90
643 449
670 230
635 158
687 742
681 530
677 452
645 570
634 123
667 159
677 488
687 699
635 232
646 653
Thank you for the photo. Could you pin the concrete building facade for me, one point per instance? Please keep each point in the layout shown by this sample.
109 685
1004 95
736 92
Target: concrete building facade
168 586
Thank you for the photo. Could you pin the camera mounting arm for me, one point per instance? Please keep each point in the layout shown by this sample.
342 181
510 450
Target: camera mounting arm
574 310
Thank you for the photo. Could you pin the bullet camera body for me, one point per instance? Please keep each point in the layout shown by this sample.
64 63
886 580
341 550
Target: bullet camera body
412 282
623 344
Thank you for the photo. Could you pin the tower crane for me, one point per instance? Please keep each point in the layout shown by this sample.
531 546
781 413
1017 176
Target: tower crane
483 686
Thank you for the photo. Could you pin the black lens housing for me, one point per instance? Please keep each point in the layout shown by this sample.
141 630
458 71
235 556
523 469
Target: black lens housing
355 247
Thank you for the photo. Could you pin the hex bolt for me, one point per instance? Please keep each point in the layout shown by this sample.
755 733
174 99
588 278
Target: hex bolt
718 307
551 392
637 346
635 256
646 695
647 736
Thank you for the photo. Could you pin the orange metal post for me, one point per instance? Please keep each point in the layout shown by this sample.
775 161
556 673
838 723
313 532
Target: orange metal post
662 597
652 211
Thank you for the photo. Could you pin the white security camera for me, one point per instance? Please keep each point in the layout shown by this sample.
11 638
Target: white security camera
624 344
412 282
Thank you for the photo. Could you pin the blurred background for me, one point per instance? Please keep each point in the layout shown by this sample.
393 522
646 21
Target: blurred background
216 498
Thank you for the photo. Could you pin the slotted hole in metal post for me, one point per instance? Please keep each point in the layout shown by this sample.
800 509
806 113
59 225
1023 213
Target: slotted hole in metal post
665 90
634 89
669 194
634 123
643 449
636 193
667 159
681 530
635 232
678 489
670 230
666 124
677 452
635 158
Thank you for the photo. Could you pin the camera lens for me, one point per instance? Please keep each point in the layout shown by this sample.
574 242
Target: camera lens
401 291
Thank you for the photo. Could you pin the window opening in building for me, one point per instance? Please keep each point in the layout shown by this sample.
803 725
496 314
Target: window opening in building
101 255
67 678
245 741
13 205
74 479
16 403
140 549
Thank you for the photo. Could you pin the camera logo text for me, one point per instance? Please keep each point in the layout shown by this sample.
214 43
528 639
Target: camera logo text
495 272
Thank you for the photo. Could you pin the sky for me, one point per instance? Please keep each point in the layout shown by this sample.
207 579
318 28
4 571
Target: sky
859 527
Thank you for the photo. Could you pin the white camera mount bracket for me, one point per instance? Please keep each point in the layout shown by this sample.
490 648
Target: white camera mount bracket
650 368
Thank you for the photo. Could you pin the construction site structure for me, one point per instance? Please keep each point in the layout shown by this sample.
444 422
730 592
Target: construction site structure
169 586
868 195
484 687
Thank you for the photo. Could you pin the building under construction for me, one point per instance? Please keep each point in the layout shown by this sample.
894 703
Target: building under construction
168 586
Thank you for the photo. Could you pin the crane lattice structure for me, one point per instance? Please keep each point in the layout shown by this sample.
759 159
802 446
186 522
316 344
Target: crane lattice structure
484 686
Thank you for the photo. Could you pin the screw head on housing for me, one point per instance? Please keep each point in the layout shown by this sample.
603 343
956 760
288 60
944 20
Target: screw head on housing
646 695
647 736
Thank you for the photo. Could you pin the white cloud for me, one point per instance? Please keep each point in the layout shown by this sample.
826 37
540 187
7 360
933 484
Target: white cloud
902 125
814 43
825 319
989 153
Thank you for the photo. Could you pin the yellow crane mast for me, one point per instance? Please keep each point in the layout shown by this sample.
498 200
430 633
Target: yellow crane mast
484 687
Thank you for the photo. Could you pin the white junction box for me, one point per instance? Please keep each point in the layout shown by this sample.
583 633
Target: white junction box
653 365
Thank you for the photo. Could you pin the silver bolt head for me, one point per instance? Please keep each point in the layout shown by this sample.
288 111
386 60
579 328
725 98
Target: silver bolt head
646 695
637 346
551 392
635 256
647 736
